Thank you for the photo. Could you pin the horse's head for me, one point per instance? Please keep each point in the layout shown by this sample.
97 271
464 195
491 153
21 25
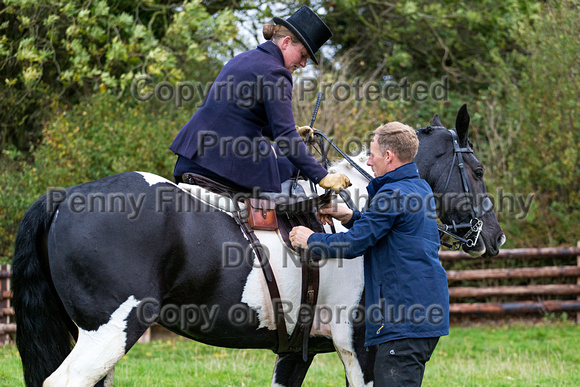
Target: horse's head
446 161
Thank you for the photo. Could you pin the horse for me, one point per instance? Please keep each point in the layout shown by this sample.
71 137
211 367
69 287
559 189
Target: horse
96 264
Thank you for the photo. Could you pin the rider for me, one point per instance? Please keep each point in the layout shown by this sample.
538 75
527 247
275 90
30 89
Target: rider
250 101
406 295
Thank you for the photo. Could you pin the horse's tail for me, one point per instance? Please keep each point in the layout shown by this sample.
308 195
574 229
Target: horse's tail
42 325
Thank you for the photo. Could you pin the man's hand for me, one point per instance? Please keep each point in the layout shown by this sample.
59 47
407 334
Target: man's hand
332 210
299 237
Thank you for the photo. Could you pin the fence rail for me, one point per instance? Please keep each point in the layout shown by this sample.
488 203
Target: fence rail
532 290
8 327
542 252
524 272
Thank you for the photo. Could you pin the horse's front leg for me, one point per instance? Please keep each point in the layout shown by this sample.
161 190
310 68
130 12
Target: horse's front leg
290 370
358 361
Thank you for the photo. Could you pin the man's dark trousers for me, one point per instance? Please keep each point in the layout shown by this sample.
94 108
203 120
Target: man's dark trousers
402 362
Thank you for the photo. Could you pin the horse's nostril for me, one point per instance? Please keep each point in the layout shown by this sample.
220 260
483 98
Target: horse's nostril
501 239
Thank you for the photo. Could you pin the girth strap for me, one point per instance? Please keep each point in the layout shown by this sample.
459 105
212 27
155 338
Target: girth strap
308 298
310 286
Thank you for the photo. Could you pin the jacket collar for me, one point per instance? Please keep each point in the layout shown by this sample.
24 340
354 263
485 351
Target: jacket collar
272 49
406 171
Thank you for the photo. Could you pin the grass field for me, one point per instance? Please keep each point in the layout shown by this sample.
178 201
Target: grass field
507 355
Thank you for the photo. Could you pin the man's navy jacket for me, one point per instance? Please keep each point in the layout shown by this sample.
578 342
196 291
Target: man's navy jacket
406 294
250 101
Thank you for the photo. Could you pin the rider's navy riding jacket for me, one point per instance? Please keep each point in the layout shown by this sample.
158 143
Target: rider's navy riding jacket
251 99
406 294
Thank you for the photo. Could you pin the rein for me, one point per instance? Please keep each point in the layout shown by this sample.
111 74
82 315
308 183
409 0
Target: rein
325 159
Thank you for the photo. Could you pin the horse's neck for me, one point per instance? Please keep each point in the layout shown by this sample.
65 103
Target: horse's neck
356 178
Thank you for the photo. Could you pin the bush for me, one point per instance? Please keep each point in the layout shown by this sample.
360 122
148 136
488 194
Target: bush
94 139
65 50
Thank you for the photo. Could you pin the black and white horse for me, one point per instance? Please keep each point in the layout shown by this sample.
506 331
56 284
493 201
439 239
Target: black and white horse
96 264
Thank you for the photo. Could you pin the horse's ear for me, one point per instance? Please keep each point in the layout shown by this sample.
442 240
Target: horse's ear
435 121
462 125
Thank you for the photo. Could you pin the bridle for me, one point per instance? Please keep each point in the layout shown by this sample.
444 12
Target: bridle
473 224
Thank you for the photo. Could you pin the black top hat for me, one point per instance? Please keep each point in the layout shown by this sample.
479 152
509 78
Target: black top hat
308 28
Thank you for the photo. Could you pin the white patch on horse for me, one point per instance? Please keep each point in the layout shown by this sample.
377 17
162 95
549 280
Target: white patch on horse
96 352
288 277
153 179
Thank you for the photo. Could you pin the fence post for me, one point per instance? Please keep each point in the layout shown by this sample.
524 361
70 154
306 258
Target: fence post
578 282
4 303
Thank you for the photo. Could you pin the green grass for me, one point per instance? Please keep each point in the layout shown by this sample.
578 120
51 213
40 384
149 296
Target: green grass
506 355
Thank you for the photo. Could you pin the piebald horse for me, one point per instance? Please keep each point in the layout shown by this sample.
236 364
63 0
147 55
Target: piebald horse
96 264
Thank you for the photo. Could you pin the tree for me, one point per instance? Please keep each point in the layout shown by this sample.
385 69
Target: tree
63 50
425 39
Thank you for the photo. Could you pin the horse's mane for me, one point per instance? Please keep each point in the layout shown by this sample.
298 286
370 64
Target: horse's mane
360 158
429 129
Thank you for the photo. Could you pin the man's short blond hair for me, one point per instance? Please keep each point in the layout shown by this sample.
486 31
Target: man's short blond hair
401 139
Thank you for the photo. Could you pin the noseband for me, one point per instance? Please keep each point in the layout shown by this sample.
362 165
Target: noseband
473 225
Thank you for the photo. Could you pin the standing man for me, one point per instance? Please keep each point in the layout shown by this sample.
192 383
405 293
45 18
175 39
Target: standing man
406 294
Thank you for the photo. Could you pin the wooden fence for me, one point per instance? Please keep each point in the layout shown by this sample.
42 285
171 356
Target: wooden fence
8 327
536 292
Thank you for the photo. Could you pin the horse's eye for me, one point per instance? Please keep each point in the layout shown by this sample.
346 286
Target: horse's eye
479 172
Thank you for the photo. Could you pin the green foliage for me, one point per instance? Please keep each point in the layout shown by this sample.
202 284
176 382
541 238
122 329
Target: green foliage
424 39
532 127
62 50
97 138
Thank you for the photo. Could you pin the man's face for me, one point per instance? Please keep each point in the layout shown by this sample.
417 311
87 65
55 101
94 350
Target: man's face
377 161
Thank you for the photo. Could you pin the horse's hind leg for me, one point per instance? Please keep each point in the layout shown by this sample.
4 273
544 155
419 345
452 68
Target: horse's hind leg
96 352
290 370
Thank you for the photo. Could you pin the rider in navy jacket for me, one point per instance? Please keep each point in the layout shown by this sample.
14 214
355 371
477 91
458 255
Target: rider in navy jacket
226 134
409 297
249 104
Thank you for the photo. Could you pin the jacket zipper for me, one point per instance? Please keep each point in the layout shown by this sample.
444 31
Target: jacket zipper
381 301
